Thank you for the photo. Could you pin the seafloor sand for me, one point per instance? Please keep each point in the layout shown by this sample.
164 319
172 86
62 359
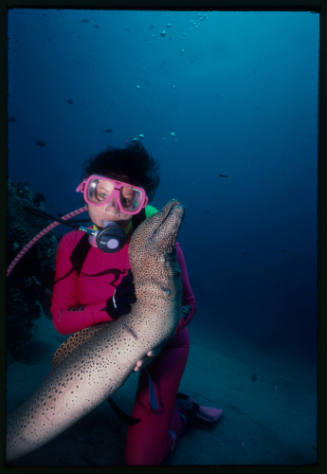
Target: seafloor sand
269 407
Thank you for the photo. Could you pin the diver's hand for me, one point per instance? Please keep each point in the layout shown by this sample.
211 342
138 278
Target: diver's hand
185 311
148 358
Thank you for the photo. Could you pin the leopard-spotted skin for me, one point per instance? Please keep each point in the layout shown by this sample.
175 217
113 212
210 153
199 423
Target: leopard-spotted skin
101 362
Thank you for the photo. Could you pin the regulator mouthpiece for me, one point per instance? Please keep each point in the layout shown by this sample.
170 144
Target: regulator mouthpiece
111 238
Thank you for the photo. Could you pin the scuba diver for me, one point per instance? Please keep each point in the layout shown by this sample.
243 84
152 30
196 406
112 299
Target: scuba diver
94 284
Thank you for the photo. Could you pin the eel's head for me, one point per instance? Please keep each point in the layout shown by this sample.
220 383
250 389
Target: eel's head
155 238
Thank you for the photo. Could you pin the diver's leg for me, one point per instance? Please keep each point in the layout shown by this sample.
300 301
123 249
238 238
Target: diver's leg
149 441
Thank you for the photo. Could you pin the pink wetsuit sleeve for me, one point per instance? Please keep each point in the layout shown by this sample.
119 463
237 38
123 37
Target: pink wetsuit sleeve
188 296
68 316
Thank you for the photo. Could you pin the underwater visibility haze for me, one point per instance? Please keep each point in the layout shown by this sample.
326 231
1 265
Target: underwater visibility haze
227 103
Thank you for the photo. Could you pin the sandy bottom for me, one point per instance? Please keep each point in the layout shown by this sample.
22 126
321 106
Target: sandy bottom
269 407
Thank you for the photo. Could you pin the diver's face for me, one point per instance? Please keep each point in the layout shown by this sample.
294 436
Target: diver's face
110 211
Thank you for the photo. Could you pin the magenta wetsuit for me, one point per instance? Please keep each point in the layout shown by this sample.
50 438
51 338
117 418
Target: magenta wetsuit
78 301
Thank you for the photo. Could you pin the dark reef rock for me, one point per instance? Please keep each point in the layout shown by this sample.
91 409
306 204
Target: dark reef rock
30 283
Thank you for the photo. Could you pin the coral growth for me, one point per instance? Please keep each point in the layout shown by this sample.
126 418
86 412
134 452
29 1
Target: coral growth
29 285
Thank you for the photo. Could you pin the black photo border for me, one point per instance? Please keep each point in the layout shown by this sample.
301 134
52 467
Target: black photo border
317 6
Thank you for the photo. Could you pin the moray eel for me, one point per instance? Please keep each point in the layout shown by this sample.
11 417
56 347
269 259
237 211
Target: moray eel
101 363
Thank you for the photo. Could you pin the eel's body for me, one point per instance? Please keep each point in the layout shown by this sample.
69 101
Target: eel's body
100 365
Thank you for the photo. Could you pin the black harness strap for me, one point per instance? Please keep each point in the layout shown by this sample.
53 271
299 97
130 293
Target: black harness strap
79 253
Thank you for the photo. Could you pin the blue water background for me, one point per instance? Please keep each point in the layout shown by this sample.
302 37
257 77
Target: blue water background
213 93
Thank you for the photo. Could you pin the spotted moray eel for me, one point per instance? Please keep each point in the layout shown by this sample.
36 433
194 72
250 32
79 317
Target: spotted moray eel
95 369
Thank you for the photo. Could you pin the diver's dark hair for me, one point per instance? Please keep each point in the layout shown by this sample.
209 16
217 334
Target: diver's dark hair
132 164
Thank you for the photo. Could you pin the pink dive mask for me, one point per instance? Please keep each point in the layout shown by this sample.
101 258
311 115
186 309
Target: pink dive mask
98 190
